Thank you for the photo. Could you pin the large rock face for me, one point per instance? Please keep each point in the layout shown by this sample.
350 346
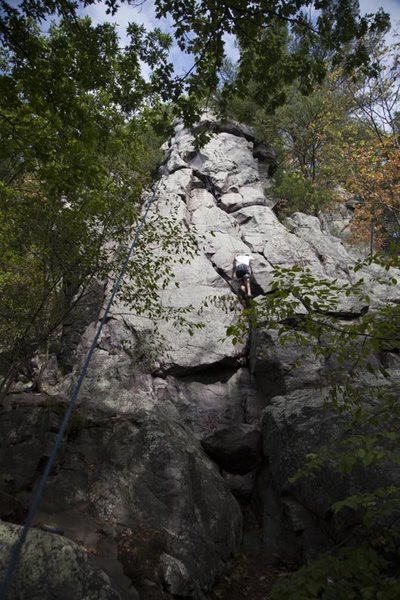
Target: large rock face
132 485
52 567
168 438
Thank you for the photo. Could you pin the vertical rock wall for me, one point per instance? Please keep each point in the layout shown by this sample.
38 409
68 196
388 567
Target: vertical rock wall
160 452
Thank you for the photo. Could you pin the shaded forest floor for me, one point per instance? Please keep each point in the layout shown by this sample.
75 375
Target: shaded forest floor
249 578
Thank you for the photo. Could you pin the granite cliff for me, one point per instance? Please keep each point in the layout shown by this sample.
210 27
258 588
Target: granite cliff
181 448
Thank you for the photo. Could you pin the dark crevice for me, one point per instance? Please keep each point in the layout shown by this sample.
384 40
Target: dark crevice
299 321
178 168
236 129
234 284
40 467
207 185
244 220
344 315
213 374
232 363
256 289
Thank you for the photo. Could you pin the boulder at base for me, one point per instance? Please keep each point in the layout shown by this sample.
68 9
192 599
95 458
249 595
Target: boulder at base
51 567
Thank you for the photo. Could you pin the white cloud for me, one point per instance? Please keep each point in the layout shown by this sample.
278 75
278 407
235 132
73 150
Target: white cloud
143 15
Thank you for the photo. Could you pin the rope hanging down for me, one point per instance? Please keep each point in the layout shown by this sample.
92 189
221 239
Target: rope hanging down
16 552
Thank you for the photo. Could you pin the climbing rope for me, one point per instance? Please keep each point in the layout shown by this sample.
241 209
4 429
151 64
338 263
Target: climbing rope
16 552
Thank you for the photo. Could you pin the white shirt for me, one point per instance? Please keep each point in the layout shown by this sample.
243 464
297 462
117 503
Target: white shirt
243 259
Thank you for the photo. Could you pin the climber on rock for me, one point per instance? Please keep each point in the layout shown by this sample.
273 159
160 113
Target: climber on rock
242 271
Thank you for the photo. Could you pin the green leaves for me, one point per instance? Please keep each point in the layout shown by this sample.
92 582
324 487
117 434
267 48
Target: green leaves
306 311
262 29
351 573
73 163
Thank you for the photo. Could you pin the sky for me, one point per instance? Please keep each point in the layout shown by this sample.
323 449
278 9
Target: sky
145 15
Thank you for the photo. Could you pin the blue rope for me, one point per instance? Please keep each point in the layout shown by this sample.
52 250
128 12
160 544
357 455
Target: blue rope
16 552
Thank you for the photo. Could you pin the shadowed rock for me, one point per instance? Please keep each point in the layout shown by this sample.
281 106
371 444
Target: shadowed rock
52 567
236 450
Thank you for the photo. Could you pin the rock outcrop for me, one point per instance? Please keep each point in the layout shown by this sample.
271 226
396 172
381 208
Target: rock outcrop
52 567
160 454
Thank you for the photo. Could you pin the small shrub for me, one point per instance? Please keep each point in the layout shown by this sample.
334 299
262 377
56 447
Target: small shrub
297 193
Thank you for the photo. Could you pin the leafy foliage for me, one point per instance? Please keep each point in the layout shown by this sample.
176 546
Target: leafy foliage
307 311
298 193
374 176
200 27
354 573
73 165
340 134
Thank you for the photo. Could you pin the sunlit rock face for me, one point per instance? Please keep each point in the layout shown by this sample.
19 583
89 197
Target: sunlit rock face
174 436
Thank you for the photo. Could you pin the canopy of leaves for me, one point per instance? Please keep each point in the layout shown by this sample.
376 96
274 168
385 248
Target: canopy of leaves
199 27
374 167
78 142
340 135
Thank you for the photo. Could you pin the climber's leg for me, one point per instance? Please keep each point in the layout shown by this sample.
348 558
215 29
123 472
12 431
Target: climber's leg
247 285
